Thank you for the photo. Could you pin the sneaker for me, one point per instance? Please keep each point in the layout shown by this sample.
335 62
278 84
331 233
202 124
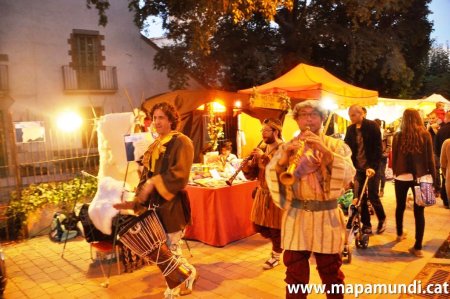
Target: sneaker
381 226
367 230
402 237
271 263
416 252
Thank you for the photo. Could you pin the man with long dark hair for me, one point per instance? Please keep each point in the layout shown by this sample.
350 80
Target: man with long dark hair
167 165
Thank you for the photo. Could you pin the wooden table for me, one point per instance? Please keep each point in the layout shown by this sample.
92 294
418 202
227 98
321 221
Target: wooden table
221 215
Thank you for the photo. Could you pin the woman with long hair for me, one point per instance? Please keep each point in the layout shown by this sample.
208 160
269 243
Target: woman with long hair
412 158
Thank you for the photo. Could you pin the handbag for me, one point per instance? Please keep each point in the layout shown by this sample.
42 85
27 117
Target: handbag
425 194
423 190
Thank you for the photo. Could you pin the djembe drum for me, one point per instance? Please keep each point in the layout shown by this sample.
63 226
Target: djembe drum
145 236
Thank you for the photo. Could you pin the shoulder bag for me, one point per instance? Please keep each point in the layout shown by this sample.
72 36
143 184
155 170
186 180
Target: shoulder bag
423 189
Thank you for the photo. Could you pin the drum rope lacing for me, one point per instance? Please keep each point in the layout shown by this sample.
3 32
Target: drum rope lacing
147 235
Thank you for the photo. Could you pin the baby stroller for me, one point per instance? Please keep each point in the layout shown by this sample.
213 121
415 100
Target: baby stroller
345 201
354 227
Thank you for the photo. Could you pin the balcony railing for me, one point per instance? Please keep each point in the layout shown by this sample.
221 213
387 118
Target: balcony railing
92 79
4 81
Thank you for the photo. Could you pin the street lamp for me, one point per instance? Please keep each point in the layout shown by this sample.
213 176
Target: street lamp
68 121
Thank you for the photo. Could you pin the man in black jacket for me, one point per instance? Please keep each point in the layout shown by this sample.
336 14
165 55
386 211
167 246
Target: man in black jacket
441 136
433 127
364 139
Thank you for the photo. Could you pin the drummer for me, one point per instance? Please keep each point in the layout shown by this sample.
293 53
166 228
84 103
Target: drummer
167 164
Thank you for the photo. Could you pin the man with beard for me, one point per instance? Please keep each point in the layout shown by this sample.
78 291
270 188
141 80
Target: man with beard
266 217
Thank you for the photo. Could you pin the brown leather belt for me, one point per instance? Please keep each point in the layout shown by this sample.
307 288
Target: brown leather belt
314 205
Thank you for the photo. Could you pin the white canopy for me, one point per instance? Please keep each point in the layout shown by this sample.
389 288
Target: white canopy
390 110
436 98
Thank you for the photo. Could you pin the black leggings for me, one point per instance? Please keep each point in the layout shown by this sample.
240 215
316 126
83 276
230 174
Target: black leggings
401 191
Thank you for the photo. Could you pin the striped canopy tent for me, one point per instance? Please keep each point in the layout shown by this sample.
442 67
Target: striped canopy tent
310 82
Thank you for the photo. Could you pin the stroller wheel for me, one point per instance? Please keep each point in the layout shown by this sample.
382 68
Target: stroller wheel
349 257
364 241
346 255
345 251
358 240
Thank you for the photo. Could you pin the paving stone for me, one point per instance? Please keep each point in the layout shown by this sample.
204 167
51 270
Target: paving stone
36 268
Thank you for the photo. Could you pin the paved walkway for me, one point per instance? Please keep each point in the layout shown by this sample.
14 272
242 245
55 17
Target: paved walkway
37 270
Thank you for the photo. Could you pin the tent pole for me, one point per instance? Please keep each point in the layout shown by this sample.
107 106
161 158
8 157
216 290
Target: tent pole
238 136
327 124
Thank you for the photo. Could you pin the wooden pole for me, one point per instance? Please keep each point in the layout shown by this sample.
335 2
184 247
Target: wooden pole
92 108
16 166
130 102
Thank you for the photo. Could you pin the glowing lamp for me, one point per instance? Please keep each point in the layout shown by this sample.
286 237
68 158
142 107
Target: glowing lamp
68 121
328 104
216 107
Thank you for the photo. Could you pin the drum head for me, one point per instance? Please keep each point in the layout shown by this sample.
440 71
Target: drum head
132 220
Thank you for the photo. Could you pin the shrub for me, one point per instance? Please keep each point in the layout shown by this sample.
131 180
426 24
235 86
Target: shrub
61 194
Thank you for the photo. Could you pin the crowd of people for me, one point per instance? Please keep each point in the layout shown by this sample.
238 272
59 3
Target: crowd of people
299 181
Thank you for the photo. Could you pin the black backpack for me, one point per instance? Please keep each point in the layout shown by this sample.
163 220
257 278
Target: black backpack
62 226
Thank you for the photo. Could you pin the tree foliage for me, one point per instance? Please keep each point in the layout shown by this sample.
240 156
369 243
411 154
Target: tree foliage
437 78
235 44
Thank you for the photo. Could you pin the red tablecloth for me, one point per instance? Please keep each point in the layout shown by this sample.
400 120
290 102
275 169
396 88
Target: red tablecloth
220 215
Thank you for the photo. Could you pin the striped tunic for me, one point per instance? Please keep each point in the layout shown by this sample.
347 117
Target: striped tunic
315 231
264 211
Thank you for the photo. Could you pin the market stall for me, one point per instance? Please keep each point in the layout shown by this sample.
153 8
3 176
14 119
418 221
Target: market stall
220 215
305 82
194 119
389 110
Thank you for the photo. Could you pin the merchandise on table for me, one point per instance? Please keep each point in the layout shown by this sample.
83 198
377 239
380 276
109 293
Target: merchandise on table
215 174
